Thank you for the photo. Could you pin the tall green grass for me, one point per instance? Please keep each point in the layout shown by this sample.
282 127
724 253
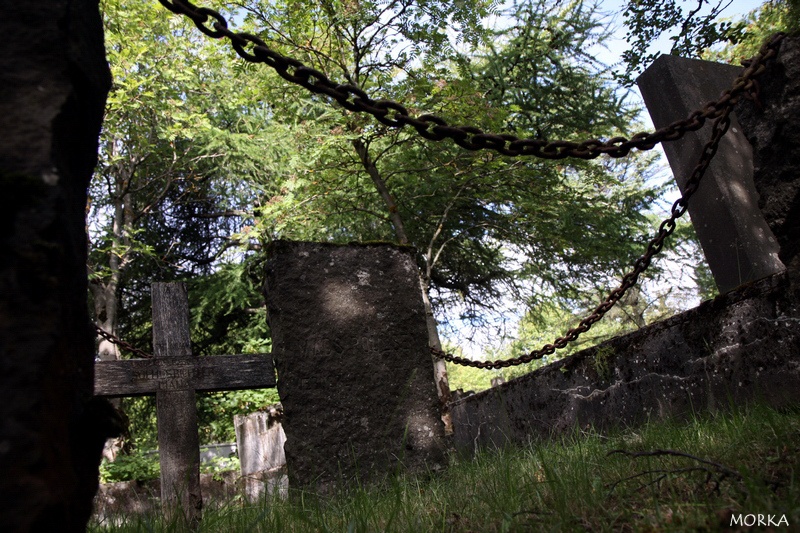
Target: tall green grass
710 468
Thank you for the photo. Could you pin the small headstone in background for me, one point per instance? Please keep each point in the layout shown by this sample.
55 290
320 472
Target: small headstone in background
350 342
259 439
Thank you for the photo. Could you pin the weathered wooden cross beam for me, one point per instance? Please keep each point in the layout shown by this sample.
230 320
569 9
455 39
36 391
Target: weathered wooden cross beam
174 375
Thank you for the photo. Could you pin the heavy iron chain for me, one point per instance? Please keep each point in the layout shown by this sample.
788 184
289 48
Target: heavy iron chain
393 114
719 128
113 339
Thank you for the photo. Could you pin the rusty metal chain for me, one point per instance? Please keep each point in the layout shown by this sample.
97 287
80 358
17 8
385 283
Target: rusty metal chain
113 339
393 114
655 245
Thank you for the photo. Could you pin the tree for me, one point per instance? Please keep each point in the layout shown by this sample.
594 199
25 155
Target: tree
181 136
754 29
486 227
165 134
696 31
368 44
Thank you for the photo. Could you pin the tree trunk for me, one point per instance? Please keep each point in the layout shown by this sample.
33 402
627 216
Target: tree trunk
105 294
439 366
383 190
54 80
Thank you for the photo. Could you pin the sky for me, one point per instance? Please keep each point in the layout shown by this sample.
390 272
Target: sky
610 54
617 44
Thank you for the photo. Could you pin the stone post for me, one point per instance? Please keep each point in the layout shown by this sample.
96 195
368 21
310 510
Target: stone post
773 127
53 84
350 344
736 240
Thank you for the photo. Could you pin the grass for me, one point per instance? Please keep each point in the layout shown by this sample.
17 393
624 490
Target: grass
667 476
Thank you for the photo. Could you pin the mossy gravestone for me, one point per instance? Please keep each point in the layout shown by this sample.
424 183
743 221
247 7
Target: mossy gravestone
350 344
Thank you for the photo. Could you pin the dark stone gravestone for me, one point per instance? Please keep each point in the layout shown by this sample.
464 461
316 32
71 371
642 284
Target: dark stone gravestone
736 240
771 125
350 343
174 375
53 84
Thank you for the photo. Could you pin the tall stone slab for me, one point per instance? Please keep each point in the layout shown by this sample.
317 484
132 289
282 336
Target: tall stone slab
771 125
53 84
350 344
736 240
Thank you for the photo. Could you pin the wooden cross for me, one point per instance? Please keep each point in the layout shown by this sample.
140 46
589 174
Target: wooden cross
174 375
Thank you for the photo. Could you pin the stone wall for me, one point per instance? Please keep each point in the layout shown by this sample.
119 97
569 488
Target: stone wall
770 123
740 347
118 502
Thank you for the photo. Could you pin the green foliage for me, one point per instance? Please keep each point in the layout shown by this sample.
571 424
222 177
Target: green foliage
141 413
228 314
686 252
540 68
756 27
541 326
696 30
466 378
701 30
173 194
603 357
218 465
137 466
142 466
215 411
487 228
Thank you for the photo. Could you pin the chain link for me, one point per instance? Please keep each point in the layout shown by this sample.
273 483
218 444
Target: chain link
720 127
113 339
395 115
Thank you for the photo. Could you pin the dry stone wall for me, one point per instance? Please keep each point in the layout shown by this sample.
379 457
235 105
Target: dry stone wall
740 347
